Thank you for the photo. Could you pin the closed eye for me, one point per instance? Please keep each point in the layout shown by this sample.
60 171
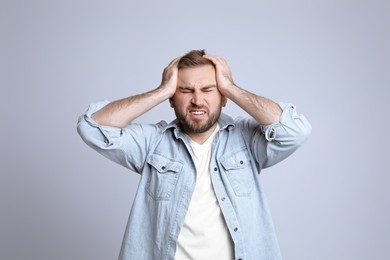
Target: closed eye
209 88
186 90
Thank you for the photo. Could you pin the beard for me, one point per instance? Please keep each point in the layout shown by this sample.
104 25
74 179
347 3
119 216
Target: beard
196 126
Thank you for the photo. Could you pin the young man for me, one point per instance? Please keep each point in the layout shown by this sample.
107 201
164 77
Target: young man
199 195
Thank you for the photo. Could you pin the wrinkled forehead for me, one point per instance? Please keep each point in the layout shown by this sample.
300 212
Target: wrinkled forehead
203 75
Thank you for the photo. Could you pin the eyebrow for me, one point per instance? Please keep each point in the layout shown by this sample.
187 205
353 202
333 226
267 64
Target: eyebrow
208 87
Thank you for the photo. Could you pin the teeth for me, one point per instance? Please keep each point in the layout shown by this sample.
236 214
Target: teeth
198 113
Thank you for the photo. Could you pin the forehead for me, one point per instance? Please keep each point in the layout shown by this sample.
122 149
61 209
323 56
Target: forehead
199 75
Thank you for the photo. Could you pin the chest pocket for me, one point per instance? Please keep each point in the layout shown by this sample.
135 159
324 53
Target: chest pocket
163 177
239 172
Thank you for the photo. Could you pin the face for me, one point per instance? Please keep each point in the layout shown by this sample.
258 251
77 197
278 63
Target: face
197 101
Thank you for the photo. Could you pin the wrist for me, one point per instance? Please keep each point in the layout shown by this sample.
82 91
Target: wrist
230 90
165 91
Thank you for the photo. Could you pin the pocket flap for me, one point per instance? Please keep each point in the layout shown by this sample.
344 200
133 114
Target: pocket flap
163 165
235 160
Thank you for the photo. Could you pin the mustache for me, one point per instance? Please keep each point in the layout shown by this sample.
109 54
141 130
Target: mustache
196 107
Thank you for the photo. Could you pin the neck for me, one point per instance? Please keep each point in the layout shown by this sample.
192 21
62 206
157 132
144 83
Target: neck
200 138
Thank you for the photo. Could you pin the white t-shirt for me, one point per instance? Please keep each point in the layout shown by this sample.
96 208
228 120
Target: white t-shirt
204 234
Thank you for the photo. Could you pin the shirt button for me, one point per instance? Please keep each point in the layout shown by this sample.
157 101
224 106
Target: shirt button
163 168
241 162
223 198
235 229
215 169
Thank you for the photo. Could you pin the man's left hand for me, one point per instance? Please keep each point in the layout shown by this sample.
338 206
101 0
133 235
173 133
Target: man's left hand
223 74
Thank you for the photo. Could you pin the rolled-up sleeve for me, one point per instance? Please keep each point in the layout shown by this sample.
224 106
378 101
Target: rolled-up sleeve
285 136
127 146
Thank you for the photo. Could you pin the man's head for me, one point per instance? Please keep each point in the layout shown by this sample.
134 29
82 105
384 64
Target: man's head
197 101
193 59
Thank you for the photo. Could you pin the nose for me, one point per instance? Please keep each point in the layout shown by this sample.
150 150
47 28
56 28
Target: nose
197 99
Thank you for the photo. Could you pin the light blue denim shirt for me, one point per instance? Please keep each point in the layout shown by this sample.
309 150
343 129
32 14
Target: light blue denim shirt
161 154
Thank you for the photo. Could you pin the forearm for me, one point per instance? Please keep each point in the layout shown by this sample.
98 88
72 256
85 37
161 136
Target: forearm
264 110
122 112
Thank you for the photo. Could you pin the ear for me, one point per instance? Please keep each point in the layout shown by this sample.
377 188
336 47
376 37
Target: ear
224 101
171 102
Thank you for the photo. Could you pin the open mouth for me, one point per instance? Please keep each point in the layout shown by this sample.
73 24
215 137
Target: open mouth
197 112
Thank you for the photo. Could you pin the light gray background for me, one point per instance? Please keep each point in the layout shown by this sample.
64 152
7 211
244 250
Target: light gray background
61 200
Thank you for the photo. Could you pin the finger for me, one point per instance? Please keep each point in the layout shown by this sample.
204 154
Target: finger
215 59
174 62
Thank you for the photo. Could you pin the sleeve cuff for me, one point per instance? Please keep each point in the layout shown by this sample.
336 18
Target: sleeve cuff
269 131
92 109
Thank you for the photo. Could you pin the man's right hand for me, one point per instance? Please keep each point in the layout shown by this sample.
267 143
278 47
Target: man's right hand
169 77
